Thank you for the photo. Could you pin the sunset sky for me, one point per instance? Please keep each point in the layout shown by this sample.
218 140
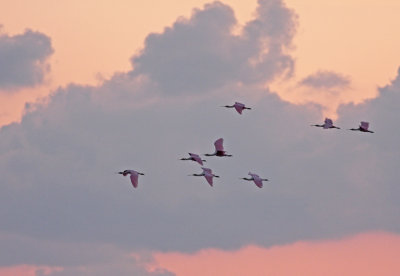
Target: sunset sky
89 88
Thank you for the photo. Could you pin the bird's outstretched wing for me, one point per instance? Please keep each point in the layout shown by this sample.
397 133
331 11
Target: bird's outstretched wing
257 180
209 177
196 158
364 125
219 144
239 107
328 123
134 179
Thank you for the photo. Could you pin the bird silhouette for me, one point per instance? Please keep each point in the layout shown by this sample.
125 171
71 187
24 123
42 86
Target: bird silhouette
208 174
257 180
363 127
219 149
194 157
327 124
134 176
238 106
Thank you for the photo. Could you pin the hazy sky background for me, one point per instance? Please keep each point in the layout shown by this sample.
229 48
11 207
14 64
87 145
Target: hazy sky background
90 89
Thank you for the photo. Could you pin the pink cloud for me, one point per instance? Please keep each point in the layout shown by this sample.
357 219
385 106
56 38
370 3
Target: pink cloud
365 254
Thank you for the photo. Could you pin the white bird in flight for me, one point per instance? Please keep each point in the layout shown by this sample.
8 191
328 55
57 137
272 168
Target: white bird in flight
208 174
363 127
219 149
327 124
238 106
257 180
134 176
194 157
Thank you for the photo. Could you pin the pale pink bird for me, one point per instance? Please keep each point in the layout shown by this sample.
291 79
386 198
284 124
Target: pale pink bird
194 157
238 106
363 127
219 149
327 124
134 176
208 174
257 180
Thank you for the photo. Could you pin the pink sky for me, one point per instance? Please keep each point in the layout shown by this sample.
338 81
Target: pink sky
337 37
369 254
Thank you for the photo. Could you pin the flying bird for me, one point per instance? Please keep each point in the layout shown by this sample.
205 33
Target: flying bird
208 174
238 106
363 127
257 180
219 149
134 176
194 157
327 124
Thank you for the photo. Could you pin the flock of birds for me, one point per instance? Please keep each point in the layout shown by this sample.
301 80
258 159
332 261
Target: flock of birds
220 152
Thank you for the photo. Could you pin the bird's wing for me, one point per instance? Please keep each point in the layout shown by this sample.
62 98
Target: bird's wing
209 178
197 158
328 123
253 175
206 170
239 107
219 144
258 182
364 125
134 179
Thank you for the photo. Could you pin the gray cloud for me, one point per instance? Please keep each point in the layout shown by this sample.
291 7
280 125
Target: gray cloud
201 53
326 80
73 258
59 183
23 59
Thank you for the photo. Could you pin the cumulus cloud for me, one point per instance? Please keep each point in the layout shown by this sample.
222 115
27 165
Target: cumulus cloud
202 53
23 59
58 164
326 80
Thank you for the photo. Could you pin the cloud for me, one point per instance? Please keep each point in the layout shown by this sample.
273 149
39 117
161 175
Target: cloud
367 254
55 258
58 165
27 270
23 59
202 53
326 80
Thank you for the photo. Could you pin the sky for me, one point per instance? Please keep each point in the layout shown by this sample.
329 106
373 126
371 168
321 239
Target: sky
89 89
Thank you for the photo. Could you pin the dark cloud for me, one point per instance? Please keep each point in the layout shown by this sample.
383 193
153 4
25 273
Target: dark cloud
73 258
202 53
59 165
326 80
23 59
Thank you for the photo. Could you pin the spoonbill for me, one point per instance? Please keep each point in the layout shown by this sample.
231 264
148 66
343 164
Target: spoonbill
363 127
194 157
238 106
134 176
327 124
219 149
208 174
257 180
